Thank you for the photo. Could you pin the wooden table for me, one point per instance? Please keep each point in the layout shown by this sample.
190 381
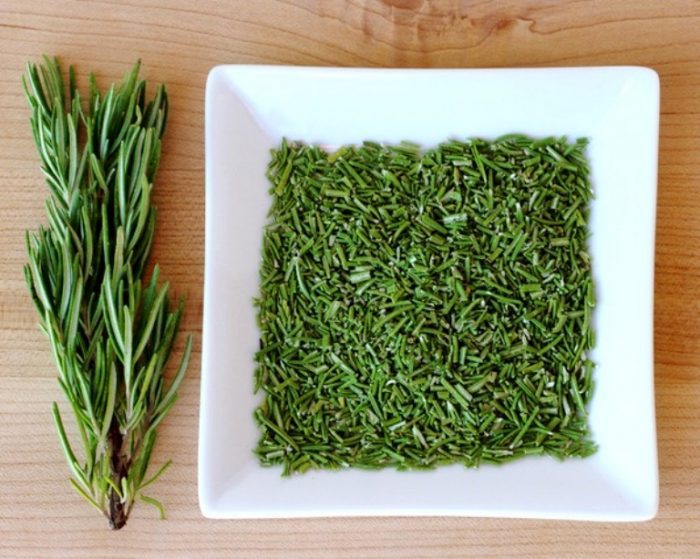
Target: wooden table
179 41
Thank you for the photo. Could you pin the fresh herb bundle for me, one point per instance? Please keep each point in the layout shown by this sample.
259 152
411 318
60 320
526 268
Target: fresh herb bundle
424 308
111 335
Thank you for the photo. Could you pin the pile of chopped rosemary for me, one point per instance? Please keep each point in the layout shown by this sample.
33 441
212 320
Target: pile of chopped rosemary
420 308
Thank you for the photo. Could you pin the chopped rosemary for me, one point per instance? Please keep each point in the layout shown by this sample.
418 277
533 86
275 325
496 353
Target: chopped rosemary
420 308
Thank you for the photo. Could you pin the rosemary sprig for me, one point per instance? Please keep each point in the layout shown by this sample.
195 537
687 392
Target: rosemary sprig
111 333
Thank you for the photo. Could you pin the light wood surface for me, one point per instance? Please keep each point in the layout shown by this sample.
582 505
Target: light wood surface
179 41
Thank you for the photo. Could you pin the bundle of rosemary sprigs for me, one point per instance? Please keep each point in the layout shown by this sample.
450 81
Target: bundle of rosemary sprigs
110 332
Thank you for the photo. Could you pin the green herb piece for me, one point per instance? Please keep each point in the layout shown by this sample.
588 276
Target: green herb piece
420 308
111 332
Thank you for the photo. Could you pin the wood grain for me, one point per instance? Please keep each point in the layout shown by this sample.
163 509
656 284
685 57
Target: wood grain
179 42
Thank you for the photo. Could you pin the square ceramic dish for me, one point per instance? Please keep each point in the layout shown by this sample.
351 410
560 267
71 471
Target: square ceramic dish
248 111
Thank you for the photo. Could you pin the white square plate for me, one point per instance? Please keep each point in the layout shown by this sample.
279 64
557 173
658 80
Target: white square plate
248 111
